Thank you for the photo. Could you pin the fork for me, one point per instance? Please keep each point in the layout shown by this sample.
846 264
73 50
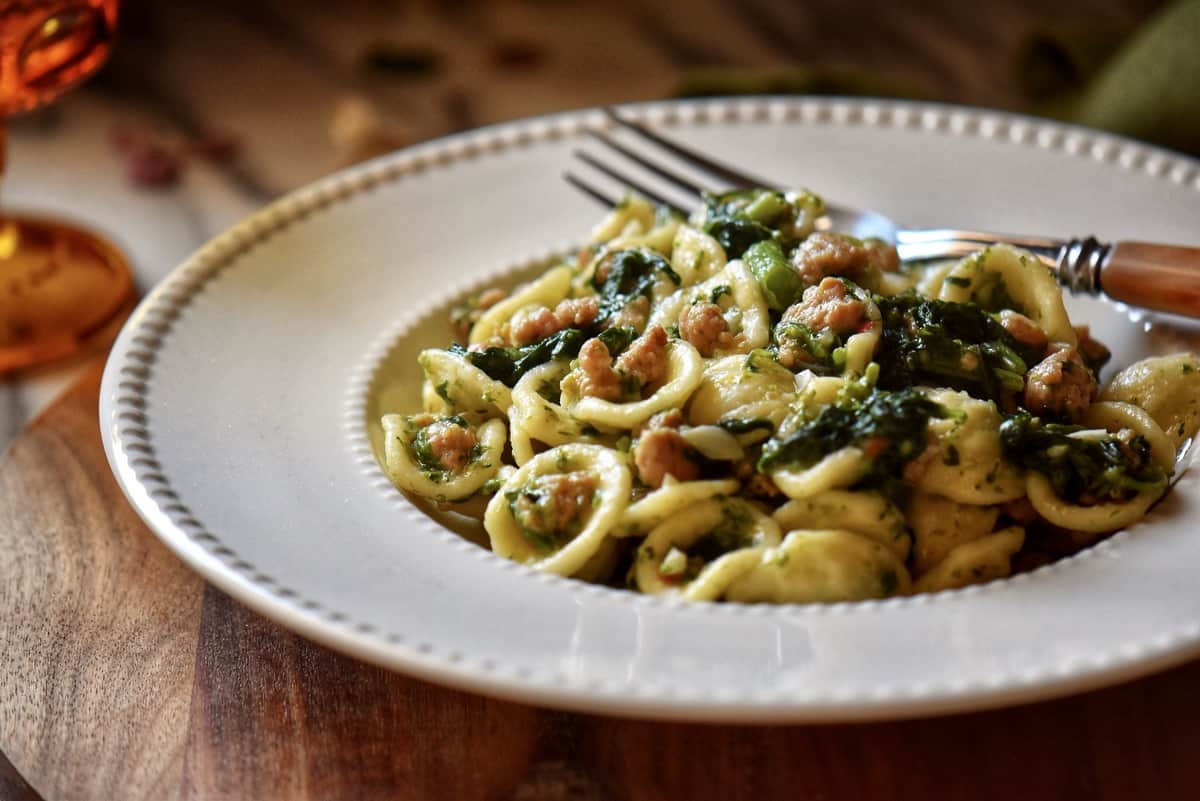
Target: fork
1150 275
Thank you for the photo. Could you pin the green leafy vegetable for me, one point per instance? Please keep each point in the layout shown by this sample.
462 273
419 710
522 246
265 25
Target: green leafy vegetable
1081 470
508 365
781 285
431 466
809 349
631 274
742 217
746 425
736 234
949 344
888 426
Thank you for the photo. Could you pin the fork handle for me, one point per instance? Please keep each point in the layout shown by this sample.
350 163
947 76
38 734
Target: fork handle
1153 276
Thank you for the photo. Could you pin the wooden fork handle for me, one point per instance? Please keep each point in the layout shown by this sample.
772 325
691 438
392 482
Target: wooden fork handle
1160 277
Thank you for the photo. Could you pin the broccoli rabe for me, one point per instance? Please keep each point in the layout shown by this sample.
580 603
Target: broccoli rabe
1081 469
888 426
507 365
949 344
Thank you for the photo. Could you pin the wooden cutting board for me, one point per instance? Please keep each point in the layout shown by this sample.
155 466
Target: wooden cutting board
123 676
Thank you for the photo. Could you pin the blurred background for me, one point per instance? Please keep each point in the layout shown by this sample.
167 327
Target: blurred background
208 109
289 89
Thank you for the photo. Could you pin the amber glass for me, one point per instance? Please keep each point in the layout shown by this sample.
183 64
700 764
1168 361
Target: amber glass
60 286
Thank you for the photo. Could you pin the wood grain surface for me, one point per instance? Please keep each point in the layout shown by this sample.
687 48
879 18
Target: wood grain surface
125 677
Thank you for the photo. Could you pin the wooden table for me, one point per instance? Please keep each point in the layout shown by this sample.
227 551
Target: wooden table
123 676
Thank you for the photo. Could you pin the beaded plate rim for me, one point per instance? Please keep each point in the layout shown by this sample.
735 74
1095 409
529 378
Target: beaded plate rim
129 443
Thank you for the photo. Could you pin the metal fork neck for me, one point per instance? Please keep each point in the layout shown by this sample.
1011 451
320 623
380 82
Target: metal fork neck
1078 264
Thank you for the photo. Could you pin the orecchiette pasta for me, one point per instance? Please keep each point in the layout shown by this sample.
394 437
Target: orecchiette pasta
441 458
822 565
699 551
870 514
1003 277
555 512
983 559
1168 388
657 410
940 525
684 371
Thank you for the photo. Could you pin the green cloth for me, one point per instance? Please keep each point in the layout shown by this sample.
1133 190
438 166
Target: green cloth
1150 89
1144 83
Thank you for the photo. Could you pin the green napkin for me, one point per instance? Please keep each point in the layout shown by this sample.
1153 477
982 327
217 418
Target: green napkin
1150 89
1144 83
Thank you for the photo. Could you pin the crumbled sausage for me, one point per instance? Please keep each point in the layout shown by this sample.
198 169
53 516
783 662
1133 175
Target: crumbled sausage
490 297
551 503
632 315
585 255
828 306
646 358
754 483
1024 330
577 312
450 443
644 363
463 317
661 452
671 418
825 253
882 255
603 266
1094 353
543 322
703 325
599 379
533 327
1060 386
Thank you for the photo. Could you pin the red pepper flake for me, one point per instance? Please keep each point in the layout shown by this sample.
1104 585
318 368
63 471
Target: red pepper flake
874 446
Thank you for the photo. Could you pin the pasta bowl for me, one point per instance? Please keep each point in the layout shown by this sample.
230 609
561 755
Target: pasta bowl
240 408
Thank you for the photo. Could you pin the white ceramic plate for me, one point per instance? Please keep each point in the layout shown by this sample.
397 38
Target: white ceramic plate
236 402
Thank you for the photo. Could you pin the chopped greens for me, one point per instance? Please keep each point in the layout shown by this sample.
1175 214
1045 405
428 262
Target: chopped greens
545 519
631 274
1081 469
508 365
781 284
746 425
810 350
736 234
732 533
888 426
742 217
958 345
431 466
718 291
991 293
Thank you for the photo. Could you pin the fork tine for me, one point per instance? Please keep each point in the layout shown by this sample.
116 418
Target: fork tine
641 189
662 172
589 190
737 179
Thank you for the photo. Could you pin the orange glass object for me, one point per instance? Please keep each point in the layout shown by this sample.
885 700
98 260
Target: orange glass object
59 285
